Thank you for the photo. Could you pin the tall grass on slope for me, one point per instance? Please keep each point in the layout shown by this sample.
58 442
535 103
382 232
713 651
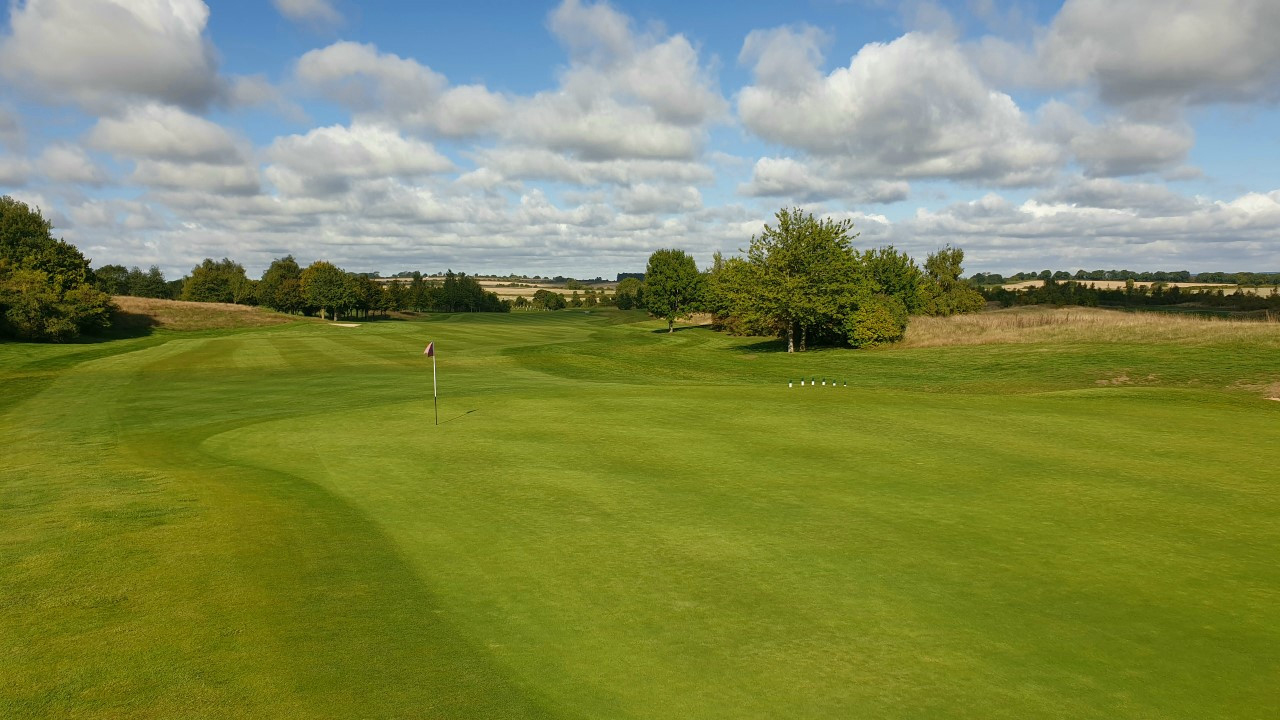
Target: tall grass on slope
1088 325
137 312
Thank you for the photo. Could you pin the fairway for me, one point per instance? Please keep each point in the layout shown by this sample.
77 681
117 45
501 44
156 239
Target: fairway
615 522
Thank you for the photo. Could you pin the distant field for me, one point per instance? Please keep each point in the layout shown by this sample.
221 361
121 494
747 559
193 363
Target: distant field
1025 514
503 289
513 292
1120 285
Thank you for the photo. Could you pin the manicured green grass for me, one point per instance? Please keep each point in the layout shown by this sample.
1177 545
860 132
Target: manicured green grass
616 522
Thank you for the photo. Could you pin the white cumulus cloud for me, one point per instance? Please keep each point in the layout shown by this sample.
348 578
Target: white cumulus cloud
326 160
389 88
99 53
1182 51
165 132
911 108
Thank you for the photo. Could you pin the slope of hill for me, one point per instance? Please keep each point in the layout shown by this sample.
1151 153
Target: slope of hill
139 313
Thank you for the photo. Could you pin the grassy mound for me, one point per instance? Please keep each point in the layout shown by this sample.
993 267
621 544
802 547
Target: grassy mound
610 521
137 313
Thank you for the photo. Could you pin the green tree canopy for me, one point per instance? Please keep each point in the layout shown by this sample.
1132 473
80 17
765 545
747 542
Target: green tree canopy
672 285
149 284
324 285
802 280
629 294
45 283
112 279
281 286
548 300
803 273
942 292
220 281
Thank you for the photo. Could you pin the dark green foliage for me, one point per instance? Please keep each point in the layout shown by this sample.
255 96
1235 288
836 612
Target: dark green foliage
672 285
221 281
458 293
1074 292
394 295
116 280
803 281
45 284
630 294
325 286
112 279
149 284
281 286
894 274
547 300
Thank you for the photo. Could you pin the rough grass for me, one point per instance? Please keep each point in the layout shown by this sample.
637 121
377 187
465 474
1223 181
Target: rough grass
611 521
140 313
1054 325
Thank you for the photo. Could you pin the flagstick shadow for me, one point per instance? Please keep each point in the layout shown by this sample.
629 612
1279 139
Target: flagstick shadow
455 417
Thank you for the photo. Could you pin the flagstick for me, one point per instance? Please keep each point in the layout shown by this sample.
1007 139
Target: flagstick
435 389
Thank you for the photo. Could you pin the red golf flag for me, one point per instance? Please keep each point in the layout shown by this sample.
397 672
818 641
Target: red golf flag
431 349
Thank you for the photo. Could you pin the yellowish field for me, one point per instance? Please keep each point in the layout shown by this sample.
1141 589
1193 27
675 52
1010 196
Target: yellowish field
1120 285
510 293
1041 324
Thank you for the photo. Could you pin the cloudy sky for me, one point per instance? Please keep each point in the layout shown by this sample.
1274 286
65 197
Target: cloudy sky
575 138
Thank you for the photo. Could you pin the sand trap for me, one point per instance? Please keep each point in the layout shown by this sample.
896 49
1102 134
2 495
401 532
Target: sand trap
346 324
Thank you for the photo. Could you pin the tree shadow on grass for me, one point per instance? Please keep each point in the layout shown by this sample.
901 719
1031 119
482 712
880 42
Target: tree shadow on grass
679 329
456 417
770 345
124 325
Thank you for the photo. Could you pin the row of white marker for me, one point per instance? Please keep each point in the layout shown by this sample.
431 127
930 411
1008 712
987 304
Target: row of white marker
813 382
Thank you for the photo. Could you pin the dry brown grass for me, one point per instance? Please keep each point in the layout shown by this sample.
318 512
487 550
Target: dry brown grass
136 312
1040 324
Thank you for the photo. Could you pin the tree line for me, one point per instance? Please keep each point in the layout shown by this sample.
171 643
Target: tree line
1074 292
332 292
1248 279
802 280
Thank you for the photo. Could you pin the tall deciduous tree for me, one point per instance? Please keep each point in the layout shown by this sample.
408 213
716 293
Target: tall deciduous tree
803 272
942 292
281 286
672 285
325 286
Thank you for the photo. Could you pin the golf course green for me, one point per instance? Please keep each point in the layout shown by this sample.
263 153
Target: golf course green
611 521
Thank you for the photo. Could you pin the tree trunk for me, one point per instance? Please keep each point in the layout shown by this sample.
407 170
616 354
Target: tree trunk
791 337
671 325
804 338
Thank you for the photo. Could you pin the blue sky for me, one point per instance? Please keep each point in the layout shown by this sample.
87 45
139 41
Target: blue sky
576 137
